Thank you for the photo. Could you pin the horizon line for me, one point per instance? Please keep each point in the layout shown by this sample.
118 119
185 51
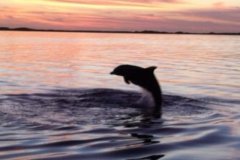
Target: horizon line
117 31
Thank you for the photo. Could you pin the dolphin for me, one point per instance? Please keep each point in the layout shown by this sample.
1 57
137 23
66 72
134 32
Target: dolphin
143 77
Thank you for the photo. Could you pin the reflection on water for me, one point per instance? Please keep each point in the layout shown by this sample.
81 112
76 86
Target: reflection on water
37 61
50 107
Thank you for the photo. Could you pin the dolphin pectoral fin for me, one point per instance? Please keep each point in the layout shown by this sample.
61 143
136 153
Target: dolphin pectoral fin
126 80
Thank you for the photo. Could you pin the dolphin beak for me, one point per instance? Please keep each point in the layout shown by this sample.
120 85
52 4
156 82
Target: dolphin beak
112 72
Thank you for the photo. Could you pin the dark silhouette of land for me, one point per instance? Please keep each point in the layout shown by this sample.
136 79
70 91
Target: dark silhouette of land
99 31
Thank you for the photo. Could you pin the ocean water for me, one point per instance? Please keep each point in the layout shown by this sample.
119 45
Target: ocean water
58 100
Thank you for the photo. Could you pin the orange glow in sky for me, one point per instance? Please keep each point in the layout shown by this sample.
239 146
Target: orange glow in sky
130 15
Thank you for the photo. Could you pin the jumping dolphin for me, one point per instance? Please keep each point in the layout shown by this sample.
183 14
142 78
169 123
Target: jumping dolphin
143 77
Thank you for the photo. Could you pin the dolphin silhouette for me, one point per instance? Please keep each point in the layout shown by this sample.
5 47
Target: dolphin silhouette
143 77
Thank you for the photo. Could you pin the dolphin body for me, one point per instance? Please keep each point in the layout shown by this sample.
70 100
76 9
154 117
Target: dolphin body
143 77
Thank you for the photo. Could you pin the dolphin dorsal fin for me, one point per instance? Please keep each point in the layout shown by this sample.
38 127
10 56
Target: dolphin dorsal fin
151 69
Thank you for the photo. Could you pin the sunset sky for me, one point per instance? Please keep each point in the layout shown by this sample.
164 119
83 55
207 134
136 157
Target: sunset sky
130 15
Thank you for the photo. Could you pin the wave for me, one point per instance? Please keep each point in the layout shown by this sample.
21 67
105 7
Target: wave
106 124
88 106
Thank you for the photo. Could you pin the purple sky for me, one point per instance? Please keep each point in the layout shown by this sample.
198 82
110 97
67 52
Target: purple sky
131 15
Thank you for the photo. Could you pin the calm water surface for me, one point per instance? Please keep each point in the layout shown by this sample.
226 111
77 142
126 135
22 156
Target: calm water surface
58 100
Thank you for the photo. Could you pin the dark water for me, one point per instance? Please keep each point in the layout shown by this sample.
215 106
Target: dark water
58 100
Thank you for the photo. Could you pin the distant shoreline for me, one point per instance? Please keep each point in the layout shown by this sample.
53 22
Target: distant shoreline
98 31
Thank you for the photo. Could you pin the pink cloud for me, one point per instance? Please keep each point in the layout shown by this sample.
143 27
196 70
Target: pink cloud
118 2
219 5
230 15
200 20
